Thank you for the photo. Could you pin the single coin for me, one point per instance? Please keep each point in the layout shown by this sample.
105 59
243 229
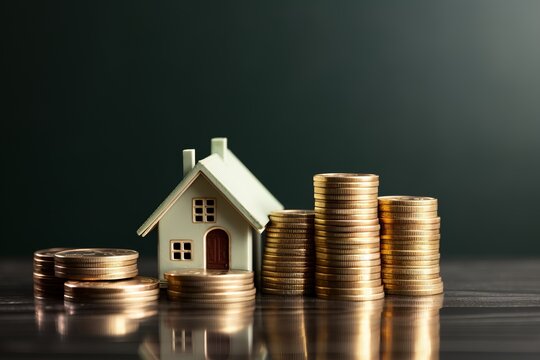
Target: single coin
267 285
48 254
287 230
280 266
409 263
208 284
437 284
289 237
399 237
409 247
207 301
289 258
408 216
367 297
347 217
351 257
121 300
292 213
294 263
95 264
399 227
411 257
339 205
215 295
347 277
410 242
272 291
350 235
410 271
208 274
356 284
218 288
345 243
89 277
409 252
288 252
277 226
323 212
410 277
288 274
364 197
137 284
416 291
94 270
347 229
339 184
101 255
346 190
347 263
407 209
348 291
408 233
434 220
91 295
373 269
287 281
405 200
309 247
412 282
345 177
349 251
283 241
347 223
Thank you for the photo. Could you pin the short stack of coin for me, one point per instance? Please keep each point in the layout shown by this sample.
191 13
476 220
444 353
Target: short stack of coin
289 258
139 290
210 287
96 264
46 284
410 245
347 237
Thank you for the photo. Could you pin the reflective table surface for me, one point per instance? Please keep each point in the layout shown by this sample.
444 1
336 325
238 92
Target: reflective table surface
490 310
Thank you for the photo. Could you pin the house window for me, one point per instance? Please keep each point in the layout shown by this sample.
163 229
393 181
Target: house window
181 249
204 210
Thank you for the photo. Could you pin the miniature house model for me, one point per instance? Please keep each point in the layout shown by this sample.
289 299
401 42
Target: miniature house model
214 217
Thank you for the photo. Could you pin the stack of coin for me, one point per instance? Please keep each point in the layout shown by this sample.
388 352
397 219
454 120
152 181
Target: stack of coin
410 245
139 290
347 237
46 285
96 264
210 287
289 257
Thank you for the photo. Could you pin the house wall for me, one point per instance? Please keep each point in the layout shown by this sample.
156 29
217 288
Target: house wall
177 224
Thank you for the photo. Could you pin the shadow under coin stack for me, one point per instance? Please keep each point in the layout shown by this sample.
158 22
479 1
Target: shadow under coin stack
288 260
347 237
46 284
210 287
410 245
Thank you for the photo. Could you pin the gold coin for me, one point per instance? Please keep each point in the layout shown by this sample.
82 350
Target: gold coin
346 263
410 243
396 227
407 216
405 200
211 294
399 237
48 254
410 271
287 286
94 270
308 247
411 257
357 284
291 258
323 212
327 217
346 190
343 243
95 277
345 177
409 277
363 276
288 262
407 209
112 301
292 213
348 291
352 257
44 277
363 197
288 274
373 269
347 223
288 252
290 225
96 264
409 263
339 205
97 255
346 235
367 297
208 275
137 284
409 247
339 184
289 237
348 251
272 291
175 296
412 282
347 229
89 295
434 220
416 291
280 231
268 280
280 267
292 242
405 233
238 285
409 252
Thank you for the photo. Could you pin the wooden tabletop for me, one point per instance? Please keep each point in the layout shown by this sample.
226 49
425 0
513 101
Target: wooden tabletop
490 310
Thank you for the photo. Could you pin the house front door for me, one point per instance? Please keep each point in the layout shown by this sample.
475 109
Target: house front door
217 250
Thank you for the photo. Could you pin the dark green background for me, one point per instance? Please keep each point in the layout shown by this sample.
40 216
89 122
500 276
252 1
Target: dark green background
439 98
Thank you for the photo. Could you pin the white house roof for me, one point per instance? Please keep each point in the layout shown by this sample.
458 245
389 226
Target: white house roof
245 192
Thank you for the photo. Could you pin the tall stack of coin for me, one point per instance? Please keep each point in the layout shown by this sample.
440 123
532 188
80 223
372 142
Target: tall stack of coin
410 245
46 284
96 264
139 290
347 237
210 287
289 256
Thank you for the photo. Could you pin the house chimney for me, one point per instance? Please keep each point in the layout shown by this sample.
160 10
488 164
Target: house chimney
219 146
188 157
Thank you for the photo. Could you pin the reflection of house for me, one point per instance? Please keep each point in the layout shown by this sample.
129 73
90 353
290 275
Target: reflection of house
214 217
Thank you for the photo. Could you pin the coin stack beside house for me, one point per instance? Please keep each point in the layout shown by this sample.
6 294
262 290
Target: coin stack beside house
46 284
410 245
210 287
288 265
347 237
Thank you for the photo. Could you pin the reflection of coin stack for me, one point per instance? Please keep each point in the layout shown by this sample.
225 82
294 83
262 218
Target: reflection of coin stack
288 261
352 329
285 328
410 245
138 290
347 237
45 283
96 264
210 287
410 327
